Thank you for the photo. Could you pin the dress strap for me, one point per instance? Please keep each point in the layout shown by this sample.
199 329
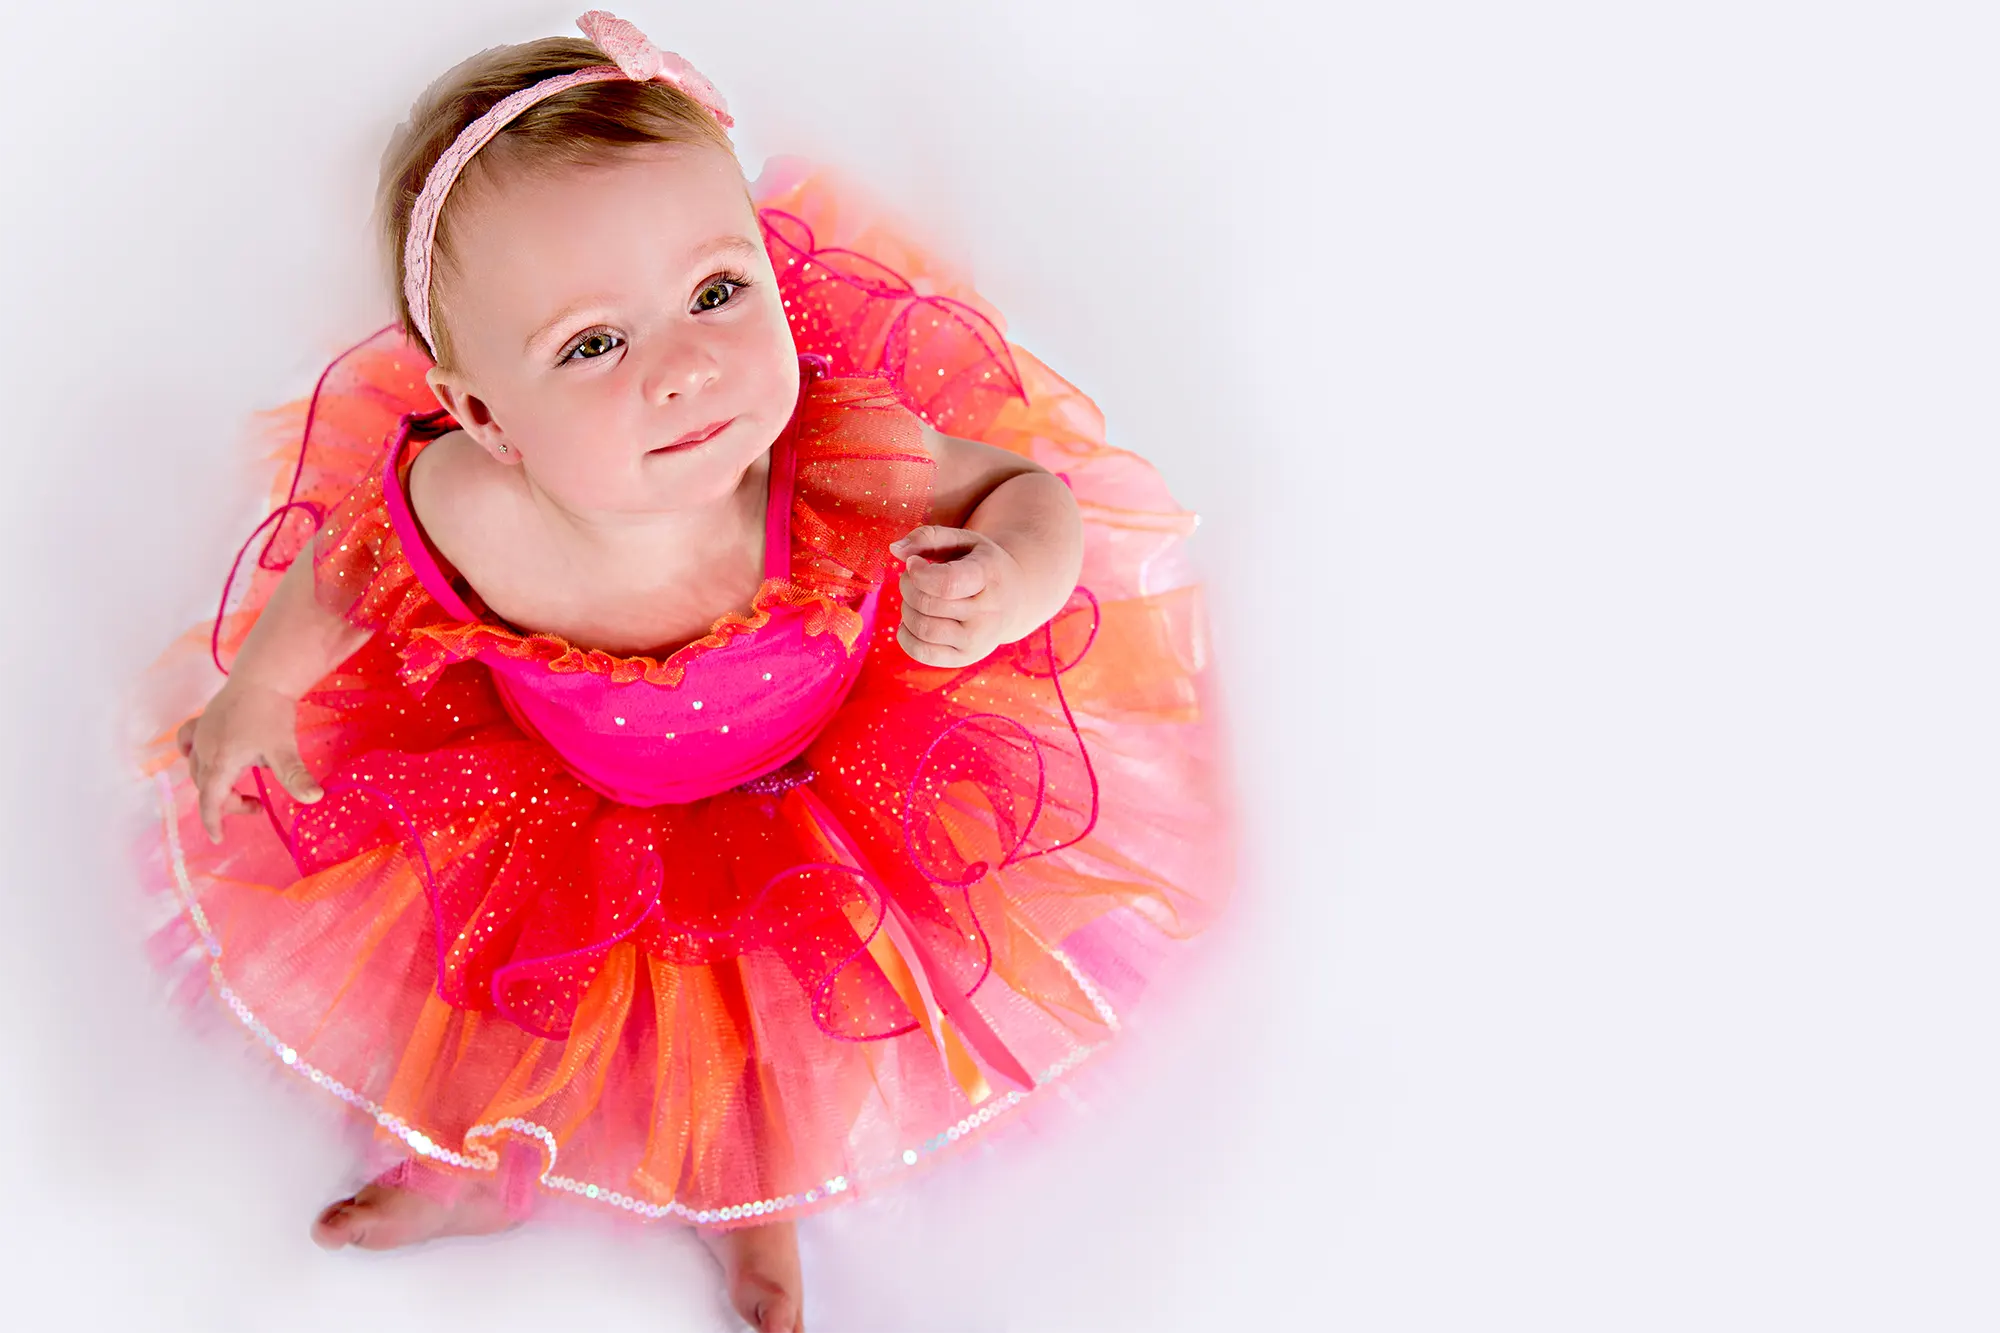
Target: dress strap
401 517
784 471
778 509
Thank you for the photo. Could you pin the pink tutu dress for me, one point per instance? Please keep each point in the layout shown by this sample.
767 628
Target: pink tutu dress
732 934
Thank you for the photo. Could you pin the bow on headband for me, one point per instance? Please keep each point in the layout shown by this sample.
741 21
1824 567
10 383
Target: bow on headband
637 58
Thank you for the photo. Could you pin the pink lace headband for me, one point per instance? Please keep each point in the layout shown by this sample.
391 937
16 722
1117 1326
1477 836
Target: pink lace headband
634 58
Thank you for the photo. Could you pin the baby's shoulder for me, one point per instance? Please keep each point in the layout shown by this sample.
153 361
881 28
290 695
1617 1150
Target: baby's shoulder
464 502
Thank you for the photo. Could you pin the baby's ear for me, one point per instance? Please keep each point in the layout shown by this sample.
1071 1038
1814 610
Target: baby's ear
455 395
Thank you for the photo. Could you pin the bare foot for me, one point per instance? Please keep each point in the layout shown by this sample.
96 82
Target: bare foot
383 1217
761 1267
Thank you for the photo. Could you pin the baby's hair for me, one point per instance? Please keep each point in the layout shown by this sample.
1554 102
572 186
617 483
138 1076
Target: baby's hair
587 123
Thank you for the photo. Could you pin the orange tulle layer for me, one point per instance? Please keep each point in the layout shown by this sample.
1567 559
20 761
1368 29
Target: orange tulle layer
713 1064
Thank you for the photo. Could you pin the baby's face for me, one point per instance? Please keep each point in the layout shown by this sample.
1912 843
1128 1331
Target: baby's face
599 314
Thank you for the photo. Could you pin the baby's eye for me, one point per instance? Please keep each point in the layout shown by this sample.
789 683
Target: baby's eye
593 345
727 284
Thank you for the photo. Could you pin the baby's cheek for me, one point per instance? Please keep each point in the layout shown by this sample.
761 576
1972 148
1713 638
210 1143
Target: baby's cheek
592 471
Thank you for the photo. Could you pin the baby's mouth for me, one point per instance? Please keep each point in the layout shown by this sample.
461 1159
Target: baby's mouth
693 438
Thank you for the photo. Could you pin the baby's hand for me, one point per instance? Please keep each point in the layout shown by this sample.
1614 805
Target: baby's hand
243 725
960 592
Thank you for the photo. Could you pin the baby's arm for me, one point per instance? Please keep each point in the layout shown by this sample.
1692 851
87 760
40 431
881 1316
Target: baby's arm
253 719
998 558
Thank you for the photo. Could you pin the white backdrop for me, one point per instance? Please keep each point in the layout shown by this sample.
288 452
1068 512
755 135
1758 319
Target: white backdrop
1592 410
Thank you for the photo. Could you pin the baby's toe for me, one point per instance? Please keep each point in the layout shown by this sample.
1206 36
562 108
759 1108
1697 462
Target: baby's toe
335 1227
777 1312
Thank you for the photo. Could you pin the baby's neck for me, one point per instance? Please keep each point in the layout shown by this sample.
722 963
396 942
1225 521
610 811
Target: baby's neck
651 538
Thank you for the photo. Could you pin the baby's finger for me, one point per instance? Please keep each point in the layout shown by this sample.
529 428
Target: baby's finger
292 774
933 540
930 654
952 579
184 738
936 629
930 604
216 781
236 803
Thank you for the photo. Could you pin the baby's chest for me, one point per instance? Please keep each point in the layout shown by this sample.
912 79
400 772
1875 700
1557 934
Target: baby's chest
622 609
623 605
619 594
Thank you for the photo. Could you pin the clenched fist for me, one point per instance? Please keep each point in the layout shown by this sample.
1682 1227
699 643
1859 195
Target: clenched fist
962 596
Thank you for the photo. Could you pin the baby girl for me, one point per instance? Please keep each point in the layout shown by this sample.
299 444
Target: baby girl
540 896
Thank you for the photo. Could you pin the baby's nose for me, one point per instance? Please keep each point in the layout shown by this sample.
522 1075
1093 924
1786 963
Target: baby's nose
679 371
